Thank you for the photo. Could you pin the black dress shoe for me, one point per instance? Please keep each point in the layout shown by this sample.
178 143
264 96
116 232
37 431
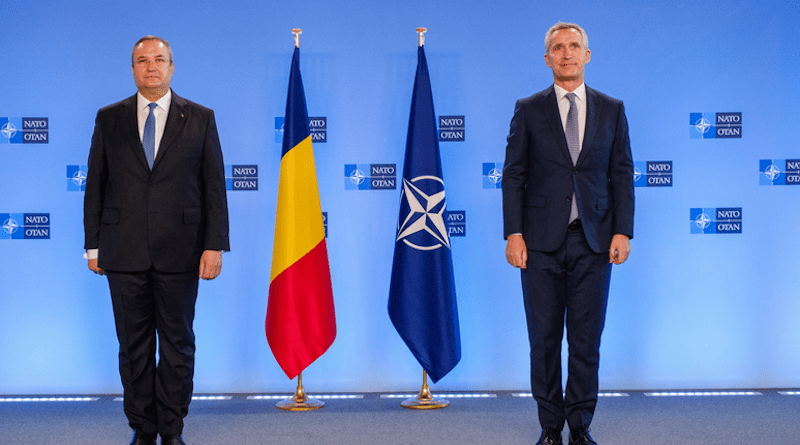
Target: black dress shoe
140 438
550 436
580 436
172 439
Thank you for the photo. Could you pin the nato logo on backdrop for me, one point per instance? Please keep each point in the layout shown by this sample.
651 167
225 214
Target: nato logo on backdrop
715 220
24 130
715 125
76 178
318 126
451 128
370 177
456 221
779 171
492 175
652 174
241 177
25 226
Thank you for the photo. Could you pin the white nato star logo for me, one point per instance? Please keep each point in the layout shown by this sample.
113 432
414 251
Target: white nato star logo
495 176
702 125
703 220
79 178
357 177
10 226
636 173
8 130
772 172
426 213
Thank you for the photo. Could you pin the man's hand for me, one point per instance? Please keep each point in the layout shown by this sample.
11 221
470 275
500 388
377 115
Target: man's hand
517 251
210 264
620 249
93 267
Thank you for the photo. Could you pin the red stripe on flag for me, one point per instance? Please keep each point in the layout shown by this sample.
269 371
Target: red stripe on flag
301 323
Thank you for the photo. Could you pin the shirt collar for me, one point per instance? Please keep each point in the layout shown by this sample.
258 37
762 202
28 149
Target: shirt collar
580 92
163 103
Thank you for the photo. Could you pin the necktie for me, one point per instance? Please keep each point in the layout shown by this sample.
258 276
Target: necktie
573 143
149 136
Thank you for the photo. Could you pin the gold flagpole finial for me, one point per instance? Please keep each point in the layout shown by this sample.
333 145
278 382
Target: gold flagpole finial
422 32
297 32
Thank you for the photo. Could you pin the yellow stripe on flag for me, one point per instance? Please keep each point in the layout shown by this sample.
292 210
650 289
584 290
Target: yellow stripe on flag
298 225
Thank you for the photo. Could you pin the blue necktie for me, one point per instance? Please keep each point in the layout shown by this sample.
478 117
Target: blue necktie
149 136
573 143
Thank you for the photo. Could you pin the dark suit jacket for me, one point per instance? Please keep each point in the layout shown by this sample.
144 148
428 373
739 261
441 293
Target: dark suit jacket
164 218
539 177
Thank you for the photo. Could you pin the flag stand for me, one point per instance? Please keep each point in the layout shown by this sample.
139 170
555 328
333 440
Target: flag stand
425 400
300 401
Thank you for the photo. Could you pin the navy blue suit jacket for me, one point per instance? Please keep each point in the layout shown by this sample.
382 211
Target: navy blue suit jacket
164 218
539 177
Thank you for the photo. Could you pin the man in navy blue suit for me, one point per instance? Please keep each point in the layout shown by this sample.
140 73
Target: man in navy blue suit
155 221
567 217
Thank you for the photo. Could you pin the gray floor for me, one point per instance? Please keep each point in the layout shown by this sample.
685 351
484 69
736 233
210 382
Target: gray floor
770 418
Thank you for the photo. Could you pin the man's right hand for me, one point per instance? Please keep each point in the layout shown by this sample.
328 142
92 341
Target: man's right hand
516 251
93 267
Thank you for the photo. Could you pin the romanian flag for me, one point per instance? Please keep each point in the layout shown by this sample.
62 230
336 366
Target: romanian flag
301 323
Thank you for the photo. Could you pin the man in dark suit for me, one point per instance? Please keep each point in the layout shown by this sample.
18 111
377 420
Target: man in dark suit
155 221
567 215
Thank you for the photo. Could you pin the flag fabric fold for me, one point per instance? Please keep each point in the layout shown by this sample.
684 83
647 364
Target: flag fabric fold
300 323
422 295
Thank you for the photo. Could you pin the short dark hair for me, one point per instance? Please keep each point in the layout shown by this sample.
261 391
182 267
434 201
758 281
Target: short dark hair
146 38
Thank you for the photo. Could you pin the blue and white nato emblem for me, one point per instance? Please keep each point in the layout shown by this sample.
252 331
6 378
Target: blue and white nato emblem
24 130
715 220
370 177
652 174
451 128
317 126
25 226
492 175
241 177
423 226
76 178
779 171
715 125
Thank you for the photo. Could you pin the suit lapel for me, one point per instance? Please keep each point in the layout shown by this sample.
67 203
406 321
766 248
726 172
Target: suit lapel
176 118
131 130
554 122
590 128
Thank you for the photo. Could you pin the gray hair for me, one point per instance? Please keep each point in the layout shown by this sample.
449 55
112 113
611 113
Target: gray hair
564 25
146 38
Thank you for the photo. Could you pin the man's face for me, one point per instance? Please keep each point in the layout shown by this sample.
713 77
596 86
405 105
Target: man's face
566 55
152 67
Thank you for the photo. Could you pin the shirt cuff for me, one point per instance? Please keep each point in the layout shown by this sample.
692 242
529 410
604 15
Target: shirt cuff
90 254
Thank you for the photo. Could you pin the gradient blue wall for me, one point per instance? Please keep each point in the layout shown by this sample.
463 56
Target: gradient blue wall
686 311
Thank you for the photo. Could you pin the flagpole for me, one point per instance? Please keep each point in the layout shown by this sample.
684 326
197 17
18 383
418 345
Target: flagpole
300 401
424 400
297 32
422 32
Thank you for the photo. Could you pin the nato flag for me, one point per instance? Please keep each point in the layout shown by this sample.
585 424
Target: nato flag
422 296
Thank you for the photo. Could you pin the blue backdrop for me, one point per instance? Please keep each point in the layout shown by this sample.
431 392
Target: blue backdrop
688 310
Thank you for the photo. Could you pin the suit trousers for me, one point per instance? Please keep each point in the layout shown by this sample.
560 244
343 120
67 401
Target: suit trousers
568 286
153 308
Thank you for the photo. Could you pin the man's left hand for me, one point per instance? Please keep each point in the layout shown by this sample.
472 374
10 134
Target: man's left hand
620 249
210 264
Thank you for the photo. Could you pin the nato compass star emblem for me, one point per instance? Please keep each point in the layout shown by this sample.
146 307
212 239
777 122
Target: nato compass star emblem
495 176
423 228
702 125
703 221
8 130
357 177
772 172
10 226
79 178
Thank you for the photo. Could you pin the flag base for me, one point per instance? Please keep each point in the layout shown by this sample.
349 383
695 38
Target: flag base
300 401
425 400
